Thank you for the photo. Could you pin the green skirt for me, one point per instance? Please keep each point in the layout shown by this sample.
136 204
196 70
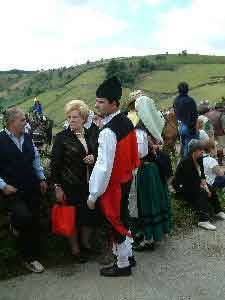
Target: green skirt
153 202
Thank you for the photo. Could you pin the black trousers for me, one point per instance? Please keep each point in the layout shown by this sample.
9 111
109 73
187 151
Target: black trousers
201 203
118 237
24 209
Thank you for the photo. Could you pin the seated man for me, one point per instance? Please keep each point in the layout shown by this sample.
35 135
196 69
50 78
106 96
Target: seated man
190 181
21 182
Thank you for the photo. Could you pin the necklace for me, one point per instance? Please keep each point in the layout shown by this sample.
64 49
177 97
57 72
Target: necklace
79 134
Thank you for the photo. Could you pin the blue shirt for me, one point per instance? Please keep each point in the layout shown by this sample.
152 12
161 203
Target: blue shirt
36 163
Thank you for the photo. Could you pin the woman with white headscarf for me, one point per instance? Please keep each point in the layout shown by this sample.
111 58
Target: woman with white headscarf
153 202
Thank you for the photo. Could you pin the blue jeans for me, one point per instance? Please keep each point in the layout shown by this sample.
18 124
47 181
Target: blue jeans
186 137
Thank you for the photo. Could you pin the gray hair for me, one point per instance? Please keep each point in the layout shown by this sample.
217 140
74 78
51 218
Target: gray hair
10 115
194 145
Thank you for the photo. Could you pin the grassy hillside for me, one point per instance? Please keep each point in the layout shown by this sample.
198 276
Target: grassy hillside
205 75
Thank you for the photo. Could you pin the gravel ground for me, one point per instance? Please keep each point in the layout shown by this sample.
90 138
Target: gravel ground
184 267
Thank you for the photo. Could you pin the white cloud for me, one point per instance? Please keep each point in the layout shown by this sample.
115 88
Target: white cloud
43 34
134 5
153 2
193 28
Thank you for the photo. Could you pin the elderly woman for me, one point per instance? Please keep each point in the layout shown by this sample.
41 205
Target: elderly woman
153 202
71 165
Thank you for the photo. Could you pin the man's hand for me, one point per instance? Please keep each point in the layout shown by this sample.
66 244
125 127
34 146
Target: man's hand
43 186
91 203
9 190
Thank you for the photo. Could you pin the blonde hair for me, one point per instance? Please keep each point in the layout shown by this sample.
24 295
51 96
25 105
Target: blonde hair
78 105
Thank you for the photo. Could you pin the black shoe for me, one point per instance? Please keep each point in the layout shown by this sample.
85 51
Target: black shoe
88 252
80 259
132 261
115 271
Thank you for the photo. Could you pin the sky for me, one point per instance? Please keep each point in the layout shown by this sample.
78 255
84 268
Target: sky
43 34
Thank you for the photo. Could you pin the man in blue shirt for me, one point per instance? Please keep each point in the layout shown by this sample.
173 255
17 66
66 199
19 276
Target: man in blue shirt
22 181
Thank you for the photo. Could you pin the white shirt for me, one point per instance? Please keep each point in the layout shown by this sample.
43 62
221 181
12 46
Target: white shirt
203 136
102 171
209 163
142 140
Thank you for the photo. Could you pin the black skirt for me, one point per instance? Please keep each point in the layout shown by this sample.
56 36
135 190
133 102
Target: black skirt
77 196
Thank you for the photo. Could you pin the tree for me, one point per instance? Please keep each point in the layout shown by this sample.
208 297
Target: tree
160 58
121 70
28 91
68 77
143 64
112 68
60 74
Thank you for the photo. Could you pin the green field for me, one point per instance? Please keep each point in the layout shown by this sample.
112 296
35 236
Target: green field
205 75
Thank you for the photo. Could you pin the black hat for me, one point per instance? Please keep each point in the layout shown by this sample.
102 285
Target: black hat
110 89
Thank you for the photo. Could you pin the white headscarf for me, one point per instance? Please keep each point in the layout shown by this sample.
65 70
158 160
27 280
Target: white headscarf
150 116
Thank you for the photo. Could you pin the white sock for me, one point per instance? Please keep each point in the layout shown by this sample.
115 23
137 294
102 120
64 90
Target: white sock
122 255
129 241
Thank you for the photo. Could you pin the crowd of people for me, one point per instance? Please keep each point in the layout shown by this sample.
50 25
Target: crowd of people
99 161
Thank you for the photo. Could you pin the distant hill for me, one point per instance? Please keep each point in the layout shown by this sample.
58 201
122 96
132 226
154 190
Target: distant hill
205 75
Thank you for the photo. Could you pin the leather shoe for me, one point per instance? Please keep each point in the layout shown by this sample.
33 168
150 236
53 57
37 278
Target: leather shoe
115 271
132 261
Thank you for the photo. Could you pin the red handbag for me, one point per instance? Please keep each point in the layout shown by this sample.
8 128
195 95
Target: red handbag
64 219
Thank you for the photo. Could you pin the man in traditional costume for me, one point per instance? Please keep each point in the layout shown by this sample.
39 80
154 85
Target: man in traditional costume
111 177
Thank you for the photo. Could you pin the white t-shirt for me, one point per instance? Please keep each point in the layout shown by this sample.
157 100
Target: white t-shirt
209 163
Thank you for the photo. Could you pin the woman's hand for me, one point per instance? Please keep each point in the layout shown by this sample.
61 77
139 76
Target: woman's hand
89 159
59 194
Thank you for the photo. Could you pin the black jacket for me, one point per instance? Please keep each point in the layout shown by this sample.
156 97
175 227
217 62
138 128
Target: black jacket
187 178
67 166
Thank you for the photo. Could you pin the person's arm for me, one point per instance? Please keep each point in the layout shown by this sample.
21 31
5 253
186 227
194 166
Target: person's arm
102 171
2 184
178 179
142 140
57 160
218 171
37 164
222 120
200 163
